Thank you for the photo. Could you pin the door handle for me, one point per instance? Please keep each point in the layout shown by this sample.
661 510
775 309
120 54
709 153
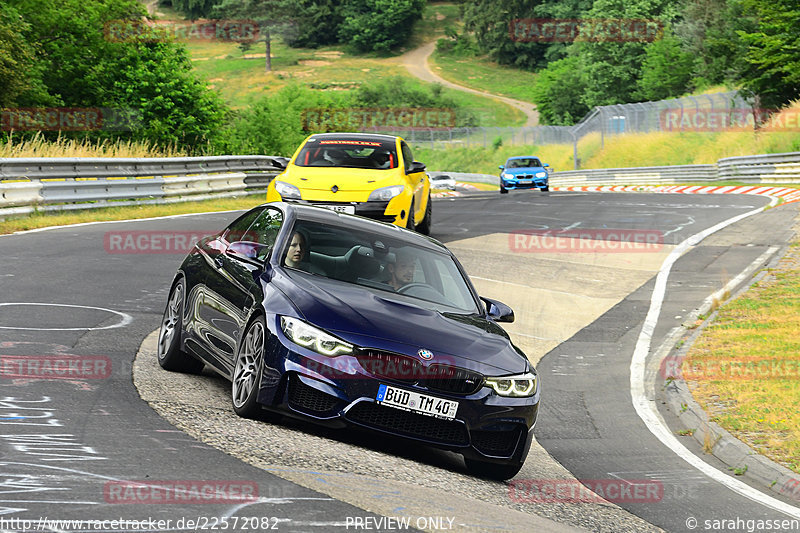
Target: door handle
218 261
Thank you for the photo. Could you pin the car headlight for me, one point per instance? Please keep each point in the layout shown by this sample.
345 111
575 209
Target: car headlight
313 338
287 192
541 174
385 193
520 386
507 176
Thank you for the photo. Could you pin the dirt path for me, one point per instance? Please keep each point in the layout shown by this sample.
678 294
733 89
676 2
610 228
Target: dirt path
416 61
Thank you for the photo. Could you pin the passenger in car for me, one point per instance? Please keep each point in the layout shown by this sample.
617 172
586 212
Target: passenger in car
297 255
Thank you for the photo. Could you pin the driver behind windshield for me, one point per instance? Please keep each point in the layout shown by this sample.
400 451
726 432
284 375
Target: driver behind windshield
402 270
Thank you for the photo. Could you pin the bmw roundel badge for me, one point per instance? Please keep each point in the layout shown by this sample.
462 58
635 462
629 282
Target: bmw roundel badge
426 355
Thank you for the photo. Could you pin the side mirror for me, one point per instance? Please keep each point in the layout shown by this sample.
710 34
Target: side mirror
416 166
280 162
502 167
248 251
545 165
498 311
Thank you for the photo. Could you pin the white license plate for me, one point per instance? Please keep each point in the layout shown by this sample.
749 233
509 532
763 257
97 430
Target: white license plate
416 402
349 209
524 182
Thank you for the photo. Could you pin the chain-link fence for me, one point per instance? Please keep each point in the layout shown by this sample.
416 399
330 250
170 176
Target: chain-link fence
678 114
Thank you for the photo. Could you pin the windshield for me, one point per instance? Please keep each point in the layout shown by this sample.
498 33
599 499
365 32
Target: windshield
429 277
351 153
523 163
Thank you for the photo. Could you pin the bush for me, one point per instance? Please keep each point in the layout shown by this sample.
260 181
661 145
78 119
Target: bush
379 25
558 92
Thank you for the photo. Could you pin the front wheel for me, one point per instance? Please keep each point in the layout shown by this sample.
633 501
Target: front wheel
503 190
546 188
170 355
496 471
247 371
424 227
410 224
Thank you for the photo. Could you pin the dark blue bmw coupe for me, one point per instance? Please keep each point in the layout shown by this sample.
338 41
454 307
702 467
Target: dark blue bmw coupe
350 322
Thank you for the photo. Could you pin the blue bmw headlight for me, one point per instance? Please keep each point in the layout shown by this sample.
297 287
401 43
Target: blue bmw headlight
541 174
313 338
519 386
507 176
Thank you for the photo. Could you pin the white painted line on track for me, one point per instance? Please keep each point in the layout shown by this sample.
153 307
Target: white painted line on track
125 317
79 224
646 408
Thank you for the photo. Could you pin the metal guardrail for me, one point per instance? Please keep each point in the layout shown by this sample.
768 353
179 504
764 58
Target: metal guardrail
52 184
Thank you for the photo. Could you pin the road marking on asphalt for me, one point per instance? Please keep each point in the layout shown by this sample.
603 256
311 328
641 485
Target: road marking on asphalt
125 318
39 230
646 408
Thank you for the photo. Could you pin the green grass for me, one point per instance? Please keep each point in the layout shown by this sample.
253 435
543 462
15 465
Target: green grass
484 75
744 368
435 18
44 220
240 80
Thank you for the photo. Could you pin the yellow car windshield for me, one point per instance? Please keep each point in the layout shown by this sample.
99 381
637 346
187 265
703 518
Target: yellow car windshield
347 153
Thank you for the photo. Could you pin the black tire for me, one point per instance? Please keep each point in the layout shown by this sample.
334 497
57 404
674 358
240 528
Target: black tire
495 471
424 227
247 370
546 189
170 355
503 190
410 224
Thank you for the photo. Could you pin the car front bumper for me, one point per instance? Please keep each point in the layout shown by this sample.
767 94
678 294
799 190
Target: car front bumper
338 392
526 183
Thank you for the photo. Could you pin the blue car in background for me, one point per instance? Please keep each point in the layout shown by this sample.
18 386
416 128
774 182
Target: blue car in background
524 172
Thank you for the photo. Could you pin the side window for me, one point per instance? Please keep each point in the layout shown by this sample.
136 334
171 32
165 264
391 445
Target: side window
265 228
408 157
236 231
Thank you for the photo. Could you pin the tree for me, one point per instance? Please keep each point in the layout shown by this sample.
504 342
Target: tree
20 75
85 64
666 70
272 16
558 92
317 23
378 25
490 21
171 106
613 64
195 9
773 52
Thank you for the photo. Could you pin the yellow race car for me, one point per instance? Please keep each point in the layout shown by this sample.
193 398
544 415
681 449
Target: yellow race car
364 174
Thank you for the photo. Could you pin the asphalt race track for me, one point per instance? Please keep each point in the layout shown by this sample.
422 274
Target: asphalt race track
75 444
